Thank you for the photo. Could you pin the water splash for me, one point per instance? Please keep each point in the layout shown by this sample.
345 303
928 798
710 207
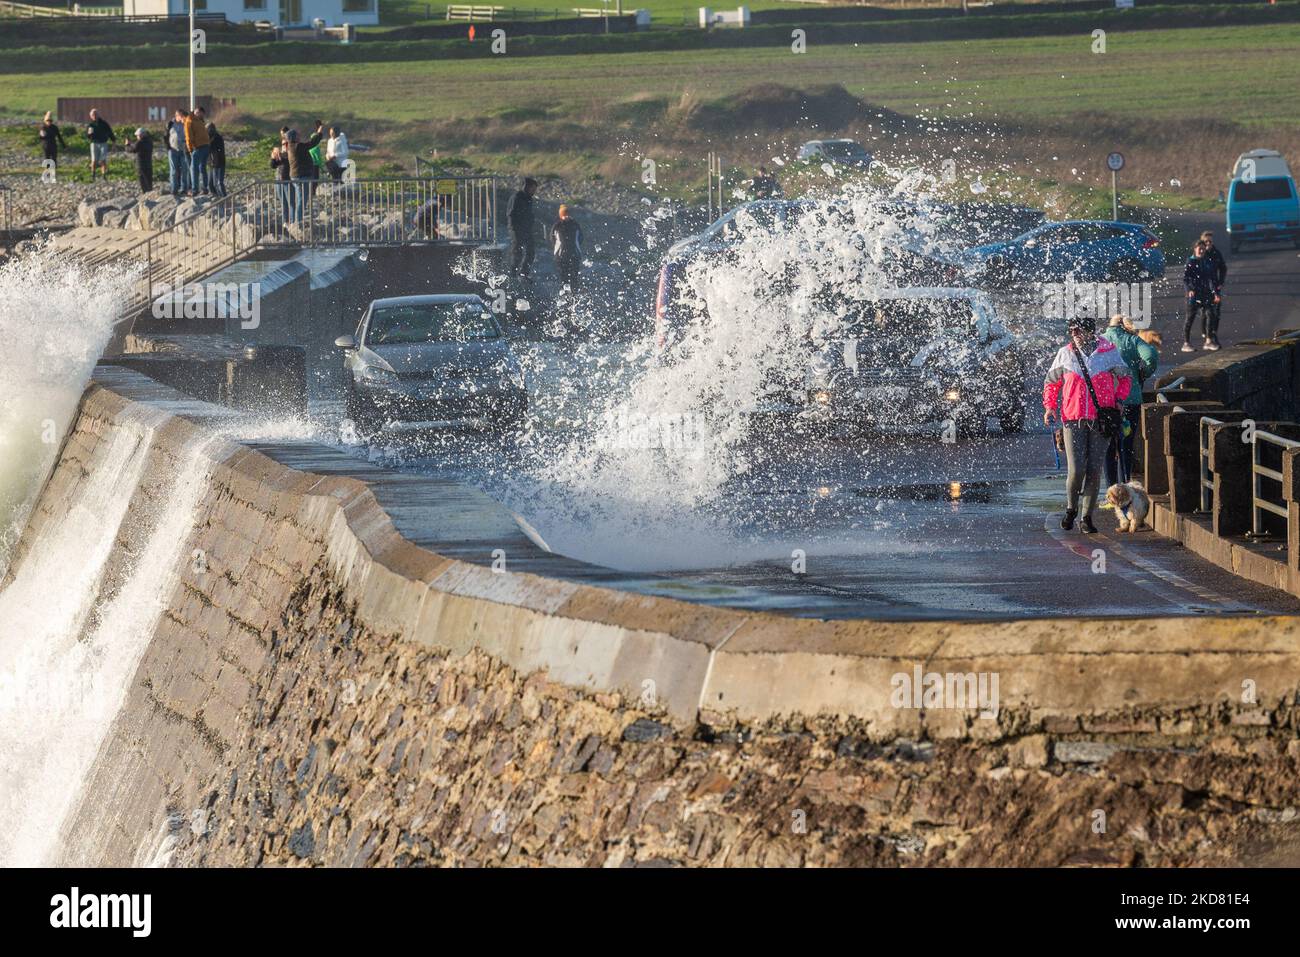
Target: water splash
56 317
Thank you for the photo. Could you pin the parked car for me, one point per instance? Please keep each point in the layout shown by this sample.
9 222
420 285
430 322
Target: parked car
836 152
1262 201
1085 250
433 361
916 356
910 261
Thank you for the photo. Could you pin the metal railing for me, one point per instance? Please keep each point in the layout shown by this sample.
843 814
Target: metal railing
1259 473
1176 384
1207 477
313 213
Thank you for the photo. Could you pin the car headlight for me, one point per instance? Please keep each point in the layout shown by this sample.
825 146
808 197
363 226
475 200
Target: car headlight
377 376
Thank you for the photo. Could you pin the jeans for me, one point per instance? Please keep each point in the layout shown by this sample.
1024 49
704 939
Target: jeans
145 175
218 174
178 166
1119 456
1205 305
284 192
523 248
1085 450
199 170
568 267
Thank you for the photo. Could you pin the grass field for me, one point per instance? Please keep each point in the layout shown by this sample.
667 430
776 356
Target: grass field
1243 74
1174 100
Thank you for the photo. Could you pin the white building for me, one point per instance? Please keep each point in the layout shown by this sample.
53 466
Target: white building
281 13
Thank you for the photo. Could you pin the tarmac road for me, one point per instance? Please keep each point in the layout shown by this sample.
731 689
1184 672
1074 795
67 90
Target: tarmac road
907 527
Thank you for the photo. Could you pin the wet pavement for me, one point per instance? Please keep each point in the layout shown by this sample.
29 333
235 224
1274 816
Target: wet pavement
880 526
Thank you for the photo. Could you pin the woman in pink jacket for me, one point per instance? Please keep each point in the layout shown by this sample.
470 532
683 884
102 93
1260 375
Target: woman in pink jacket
1065 394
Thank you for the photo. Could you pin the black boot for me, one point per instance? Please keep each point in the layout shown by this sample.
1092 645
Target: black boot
1087 527
1067 522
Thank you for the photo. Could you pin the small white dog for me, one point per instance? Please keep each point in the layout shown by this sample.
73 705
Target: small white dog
1131 504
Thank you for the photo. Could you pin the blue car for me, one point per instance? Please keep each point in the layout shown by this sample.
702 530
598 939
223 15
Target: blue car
1085 250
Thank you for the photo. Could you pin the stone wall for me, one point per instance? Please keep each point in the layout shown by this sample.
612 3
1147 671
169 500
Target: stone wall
319 690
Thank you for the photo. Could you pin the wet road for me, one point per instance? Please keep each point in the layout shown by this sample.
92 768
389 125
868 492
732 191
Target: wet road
888 526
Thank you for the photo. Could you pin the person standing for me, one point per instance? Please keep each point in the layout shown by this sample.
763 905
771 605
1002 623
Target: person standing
142 149
1141 358
1198 280
217 160
1220 267
336 153
100 135
178 160
51 139
567 248
283 188
519 216
302 171
1085 366
764 185
196 141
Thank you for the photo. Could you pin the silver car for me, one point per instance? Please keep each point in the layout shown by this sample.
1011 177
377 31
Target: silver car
431 361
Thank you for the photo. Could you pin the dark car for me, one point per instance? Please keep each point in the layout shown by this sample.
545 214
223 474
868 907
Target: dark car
431 361
916 357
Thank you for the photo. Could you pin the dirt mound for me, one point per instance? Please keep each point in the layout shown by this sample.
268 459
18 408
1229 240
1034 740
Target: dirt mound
771 106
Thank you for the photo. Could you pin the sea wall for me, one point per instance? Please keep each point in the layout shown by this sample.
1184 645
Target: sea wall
318 690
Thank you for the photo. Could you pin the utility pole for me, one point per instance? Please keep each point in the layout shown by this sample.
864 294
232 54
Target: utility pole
192 104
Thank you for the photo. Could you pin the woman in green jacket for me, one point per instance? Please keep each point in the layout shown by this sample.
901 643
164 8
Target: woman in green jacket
1141 358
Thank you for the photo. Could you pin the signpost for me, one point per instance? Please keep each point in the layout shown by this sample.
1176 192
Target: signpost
1115 163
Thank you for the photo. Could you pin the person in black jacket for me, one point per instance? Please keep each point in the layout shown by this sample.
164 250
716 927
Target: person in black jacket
100 135
1198 280
519 215
1220 267
217 160
142 149
51 139
567 248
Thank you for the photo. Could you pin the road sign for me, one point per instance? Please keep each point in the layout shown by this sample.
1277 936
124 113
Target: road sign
1115 162
445 187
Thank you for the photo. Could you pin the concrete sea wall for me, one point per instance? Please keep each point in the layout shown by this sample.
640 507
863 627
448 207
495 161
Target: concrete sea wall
318 690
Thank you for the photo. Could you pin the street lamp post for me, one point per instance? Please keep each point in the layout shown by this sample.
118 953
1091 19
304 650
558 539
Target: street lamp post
192 56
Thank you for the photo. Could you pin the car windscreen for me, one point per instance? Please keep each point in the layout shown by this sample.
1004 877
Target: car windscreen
430 322
910 322
844 150
1260 190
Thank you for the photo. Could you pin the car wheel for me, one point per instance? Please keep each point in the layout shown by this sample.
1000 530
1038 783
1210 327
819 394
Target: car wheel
1012 417
510 415
361 412
969 424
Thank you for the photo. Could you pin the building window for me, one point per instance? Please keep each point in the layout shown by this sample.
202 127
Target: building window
254 4
200 5
358 6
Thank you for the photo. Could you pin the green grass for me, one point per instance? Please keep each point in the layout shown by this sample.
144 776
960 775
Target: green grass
1252 72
